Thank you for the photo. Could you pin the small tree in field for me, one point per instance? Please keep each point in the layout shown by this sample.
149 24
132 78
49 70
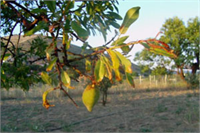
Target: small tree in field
69 20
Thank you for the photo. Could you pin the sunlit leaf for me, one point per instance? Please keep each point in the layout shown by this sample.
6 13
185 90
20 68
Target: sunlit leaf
44 98
130 79
125 62
117 75
66 79
99 70
162 52
120 41
6 57
88 65
130 17
49 51
51 64
45 77
108 67
114 58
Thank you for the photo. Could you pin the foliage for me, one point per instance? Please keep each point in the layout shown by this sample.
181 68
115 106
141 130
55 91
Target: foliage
181 40
159 71
69 20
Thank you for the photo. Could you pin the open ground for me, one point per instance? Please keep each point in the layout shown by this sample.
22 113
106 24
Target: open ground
149 107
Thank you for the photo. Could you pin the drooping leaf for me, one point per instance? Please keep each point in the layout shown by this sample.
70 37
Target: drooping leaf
125 62
41 25
99 70
51 64
114 58
88 65
103 31
81 32
49 51
117 75
108 67
45 77
66 79
6 57
120 40
44 98
51 5
130 17
96 70
130 79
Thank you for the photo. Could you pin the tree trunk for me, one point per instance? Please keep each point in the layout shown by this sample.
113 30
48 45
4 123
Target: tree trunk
195 66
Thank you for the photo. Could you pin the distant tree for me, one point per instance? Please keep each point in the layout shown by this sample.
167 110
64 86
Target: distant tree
193 47
159 71
175 35
184 41
149 61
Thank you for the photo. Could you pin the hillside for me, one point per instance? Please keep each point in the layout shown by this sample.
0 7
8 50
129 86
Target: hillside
26 41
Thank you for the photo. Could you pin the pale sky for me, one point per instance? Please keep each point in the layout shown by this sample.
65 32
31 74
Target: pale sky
152 16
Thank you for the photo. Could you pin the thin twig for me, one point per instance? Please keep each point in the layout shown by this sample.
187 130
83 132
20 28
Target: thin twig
69 97
8 42
110 40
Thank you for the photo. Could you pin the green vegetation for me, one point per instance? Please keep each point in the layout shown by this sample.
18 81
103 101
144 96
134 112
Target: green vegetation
62 22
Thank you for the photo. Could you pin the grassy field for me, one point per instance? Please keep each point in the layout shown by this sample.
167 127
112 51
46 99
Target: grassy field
161 107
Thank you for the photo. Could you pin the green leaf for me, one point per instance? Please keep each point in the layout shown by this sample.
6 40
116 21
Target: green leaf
88 65
99 70
6 57
103 31
45 77
130 17
125 62
51 5
51 64
162 52
66 79
114 58
108 67
49 51
81 32
39 11
77 13
130 79
145 45
41 25
114 24
115 15
125 49
120 41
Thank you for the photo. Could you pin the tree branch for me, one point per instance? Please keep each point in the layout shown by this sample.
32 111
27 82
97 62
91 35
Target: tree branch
8 42
25 9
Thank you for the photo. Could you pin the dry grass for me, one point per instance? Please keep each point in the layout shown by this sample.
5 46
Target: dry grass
147 108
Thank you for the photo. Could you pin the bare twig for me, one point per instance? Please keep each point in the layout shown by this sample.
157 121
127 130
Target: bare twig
69 97
8 42
110 40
